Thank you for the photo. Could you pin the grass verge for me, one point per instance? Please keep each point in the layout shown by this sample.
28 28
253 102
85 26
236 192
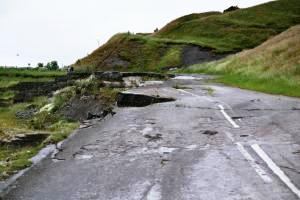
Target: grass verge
273 67
279 85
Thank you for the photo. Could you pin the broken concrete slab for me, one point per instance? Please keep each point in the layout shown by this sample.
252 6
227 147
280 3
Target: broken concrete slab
139 100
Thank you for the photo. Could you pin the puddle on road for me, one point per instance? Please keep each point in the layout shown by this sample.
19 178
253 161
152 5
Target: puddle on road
166 150
192 147
147 130
187 78
83 157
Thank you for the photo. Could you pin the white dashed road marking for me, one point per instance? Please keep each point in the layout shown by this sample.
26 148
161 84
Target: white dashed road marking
195 95
220 106
228 117
276 170
250 159
259 151
253 163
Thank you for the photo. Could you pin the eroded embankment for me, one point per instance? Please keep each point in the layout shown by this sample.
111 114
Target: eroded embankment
46 113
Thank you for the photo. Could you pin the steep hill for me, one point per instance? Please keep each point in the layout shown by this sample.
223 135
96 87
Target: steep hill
194 38
271 67
124 51
237 30
141 53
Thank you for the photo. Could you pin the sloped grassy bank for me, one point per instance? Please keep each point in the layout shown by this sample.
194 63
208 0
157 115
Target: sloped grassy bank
273 67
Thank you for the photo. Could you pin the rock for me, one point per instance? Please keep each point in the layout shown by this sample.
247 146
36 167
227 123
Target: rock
113 84
26 114
79 107
109 76
103 114
155 137
139 100
208 132
148 74
24 139
92 116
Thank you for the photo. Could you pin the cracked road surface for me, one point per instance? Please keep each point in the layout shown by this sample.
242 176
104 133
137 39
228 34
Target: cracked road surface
226 144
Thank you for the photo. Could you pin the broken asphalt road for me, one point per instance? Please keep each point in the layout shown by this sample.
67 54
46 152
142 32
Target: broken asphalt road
212 144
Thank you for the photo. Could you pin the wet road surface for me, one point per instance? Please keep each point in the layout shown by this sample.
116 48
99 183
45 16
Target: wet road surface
212 143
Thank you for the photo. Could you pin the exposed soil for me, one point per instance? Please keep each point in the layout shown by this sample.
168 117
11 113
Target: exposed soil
192 54
82 108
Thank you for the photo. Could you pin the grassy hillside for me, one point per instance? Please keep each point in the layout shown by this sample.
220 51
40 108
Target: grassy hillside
218 32
237 30
272 67
134 52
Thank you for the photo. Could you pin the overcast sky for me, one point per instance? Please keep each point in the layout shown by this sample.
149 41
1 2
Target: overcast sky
34 31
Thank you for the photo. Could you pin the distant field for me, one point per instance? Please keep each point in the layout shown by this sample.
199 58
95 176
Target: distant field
33 73
273 67
12 76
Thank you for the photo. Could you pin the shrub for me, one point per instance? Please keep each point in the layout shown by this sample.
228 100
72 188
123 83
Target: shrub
52 65
43 120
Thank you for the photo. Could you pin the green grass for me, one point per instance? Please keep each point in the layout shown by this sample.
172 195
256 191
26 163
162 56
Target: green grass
172 58
62 97
220 32
32 73
12 76
7 95
209 90
13 159
61 130
234 31
109 95
272 85
272 67
143 53
6 82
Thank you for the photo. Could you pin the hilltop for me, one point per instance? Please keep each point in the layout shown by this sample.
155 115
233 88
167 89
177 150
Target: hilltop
201 37
237 30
